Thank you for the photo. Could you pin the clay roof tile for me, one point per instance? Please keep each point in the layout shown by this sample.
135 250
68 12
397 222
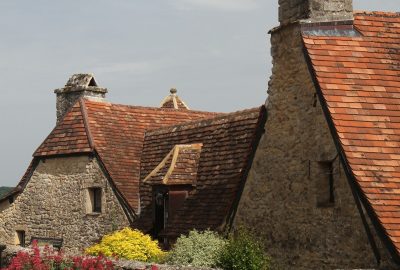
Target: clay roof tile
359 81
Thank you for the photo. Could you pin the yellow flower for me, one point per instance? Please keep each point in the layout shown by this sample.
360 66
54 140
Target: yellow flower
128 244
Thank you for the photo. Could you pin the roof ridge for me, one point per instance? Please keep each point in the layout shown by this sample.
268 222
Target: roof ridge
86 123
148 107
217 117
377 13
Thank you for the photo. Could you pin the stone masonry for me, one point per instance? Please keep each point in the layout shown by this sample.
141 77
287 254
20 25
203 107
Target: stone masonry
54 204
79 85
286 182
314 10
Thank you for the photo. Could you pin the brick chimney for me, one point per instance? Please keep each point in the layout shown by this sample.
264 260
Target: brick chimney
79 85
315 10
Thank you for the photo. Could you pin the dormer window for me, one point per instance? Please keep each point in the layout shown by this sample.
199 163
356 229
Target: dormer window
172 181
167 201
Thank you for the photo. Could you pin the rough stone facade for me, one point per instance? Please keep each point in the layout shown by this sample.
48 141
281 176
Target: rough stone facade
283 197
54 204
314 10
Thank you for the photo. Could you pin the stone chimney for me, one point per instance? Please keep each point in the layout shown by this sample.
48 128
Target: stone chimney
315 10
79 85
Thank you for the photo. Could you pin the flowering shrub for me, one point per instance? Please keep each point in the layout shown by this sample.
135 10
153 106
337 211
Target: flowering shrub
48 259
128 244
199 249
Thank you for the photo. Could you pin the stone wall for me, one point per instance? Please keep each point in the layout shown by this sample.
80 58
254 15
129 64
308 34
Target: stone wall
314 10
11 251
287 180
53 205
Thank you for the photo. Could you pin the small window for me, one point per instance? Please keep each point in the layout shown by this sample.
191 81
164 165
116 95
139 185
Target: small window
20 238
95 195
325 185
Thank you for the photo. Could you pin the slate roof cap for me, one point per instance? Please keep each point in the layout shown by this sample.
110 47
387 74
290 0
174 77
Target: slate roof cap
81 82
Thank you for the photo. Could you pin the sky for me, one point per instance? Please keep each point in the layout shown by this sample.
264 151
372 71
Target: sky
215 52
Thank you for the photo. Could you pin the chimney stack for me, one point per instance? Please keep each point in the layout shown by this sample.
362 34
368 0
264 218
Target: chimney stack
291 11
79 85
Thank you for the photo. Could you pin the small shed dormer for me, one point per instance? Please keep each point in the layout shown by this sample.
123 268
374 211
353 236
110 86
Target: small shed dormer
173 101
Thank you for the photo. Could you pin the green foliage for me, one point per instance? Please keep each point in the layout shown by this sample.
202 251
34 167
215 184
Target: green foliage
243 252
198 249
4 191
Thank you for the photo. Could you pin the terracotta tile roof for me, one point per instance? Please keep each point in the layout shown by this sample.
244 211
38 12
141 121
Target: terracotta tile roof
68 137
228 144
116 133
359 79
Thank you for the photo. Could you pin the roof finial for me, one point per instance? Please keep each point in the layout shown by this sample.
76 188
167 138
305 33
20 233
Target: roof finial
172 101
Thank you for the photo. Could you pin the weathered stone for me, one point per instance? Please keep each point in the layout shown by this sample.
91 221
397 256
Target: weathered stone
53 205
314 10
280 200
79 85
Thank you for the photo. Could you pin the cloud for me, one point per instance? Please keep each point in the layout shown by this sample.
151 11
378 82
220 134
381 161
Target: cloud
230 5
133 68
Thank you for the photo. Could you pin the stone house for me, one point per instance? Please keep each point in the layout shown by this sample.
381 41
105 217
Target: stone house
313 172
107 166
323 190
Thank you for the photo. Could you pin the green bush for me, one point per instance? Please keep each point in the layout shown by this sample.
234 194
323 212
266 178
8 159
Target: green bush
198 249
243 252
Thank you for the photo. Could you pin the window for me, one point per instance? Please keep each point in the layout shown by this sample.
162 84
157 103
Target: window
325 184
95 195
20 238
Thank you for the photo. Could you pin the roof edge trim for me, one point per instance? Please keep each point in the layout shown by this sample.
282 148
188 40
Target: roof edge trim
128 210
258 133
86 123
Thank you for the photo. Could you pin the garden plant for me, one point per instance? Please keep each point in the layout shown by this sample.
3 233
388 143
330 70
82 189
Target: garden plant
49 259
128 244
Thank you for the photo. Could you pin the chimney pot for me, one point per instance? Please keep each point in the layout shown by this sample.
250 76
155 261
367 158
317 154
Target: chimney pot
78 86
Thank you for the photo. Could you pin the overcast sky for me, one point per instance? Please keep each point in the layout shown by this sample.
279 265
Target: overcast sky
215 52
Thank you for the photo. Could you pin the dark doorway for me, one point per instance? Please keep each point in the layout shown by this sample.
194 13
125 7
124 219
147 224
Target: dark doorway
160 211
